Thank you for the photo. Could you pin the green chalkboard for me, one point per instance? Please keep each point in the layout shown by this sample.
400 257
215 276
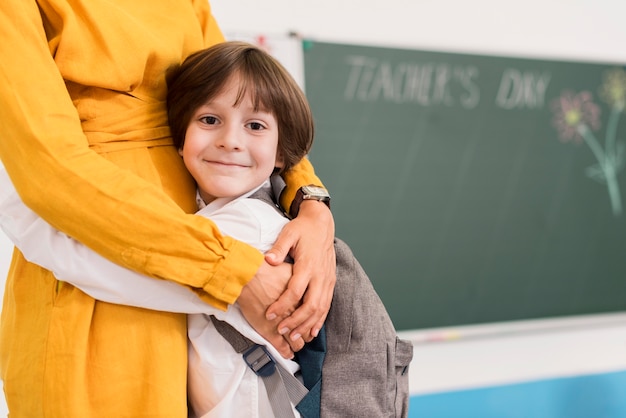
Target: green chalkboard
472 188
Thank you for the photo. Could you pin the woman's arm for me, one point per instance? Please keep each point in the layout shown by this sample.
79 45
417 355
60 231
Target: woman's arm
76 264
106 281
82 193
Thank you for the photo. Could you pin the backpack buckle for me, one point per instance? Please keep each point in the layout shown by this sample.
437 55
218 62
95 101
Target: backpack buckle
260 360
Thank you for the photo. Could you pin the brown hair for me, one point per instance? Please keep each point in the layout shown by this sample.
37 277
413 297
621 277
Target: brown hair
203 75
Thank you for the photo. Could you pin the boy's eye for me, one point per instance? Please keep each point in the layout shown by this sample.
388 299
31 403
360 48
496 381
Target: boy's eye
209 120
255 126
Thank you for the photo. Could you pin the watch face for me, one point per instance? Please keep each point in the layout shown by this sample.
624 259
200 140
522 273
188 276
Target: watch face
315 192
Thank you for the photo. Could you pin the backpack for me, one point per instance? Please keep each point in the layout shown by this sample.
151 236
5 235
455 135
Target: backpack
365 371
356 367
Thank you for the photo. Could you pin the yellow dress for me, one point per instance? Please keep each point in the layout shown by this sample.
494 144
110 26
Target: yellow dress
84 137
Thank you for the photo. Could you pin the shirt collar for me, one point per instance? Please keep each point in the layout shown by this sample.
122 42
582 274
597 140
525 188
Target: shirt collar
220 202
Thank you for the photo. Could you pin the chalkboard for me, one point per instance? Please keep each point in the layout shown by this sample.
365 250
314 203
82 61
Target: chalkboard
473 188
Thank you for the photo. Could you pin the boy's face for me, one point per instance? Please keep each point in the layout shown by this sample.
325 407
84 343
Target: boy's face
230 150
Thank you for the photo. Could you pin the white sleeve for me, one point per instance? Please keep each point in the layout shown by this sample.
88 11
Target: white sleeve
74 263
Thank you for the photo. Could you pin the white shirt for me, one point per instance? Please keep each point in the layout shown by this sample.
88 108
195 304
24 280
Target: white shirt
220 385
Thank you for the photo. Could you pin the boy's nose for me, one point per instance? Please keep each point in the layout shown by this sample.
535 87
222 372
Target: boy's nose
231 139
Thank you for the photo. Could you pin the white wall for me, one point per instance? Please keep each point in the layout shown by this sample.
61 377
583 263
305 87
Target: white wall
574 29
563 29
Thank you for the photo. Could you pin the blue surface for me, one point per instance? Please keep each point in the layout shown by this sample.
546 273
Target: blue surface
590 396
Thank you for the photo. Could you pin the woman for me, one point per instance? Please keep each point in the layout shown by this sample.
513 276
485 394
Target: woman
86 143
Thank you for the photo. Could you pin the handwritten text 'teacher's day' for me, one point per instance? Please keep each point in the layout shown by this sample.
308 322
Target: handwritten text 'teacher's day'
431 84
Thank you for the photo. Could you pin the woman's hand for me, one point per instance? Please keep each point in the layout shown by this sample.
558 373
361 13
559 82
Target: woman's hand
265 288
309 239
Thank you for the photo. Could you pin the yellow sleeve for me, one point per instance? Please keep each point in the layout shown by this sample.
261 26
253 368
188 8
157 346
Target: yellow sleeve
302 174
109 208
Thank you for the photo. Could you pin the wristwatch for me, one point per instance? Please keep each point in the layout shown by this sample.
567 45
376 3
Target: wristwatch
309 192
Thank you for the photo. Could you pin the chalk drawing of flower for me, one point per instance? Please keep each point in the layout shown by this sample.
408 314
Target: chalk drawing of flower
573 111
613 90
576 117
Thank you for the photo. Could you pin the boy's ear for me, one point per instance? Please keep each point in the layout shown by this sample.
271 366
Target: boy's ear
180 151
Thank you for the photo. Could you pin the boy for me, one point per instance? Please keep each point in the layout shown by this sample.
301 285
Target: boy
237 118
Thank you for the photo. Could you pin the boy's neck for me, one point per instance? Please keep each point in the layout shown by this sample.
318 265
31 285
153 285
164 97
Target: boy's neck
204 199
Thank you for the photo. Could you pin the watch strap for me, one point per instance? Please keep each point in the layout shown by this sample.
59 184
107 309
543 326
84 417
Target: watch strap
310 192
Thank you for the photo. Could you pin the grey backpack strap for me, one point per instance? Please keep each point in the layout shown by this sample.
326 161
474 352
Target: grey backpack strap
281 386
271 197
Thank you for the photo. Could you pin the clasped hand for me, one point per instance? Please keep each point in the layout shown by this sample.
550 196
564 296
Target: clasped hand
288 304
